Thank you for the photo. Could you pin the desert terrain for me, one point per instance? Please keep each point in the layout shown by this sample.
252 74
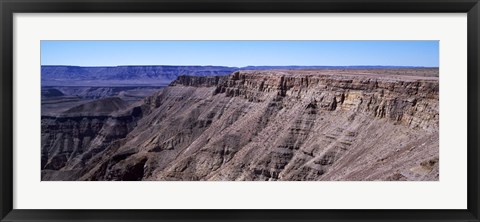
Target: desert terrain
310 124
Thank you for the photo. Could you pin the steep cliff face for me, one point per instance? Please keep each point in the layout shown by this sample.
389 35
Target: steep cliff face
272 125
410 100
203 81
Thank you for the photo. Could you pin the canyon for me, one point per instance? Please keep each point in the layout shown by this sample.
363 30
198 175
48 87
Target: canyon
338 124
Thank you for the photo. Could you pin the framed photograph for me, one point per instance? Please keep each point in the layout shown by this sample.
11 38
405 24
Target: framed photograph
239 110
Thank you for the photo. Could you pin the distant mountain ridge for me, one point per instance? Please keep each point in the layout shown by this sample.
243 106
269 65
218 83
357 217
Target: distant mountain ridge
156 75
153 75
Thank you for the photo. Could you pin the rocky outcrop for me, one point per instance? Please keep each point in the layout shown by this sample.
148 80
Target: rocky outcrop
262 125
198 81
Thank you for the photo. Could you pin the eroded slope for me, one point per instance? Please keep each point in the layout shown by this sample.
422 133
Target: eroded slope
262 125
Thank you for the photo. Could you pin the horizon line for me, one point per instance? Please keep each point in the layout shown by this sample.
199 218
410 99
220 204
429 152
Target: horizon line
112 66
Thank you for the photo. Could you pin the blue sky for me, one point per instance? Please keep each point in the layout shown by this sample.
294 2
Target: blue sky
240 53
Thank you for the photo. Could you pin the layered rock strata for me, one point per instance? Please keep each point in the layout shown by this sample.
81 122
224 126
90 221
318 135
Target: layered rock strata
257 125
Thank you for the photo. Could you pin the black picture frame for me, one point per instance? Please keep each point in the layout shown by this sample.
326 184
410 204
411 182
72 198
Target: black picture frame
9 7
